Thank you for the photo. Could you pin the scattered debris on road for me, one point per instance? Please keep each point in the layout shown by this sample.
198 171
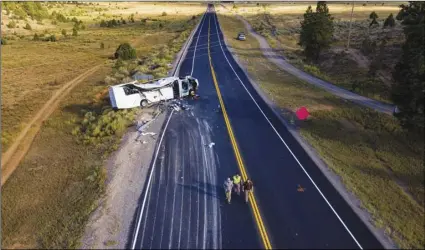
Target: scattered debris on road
175 107
301 189
149 133
178 105
211 144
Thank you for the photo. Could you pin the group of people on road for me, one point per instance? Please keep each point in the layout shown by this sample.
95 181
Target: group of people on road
236 184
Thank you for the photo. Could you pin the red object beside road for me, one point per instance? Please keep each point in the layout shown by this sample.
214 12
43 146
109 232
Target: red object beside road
302 113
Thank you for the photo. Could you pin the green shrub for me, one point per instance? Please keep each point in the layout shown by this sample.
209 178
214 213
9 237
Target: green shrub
164 13
59 17
36 37
11 24
74 32
63 32
51 38
95 128
54 22
20 13
109 80
28 27
3 41
102 45
125 52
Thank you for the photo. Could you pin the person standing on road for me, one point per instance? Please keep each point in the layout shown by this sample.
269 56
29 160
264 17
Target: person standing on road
228 185
247 187
237 183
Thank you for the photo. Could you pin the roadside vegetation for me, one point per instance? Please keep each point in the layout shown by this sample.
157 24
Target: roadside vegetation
379 161
49 197
364 68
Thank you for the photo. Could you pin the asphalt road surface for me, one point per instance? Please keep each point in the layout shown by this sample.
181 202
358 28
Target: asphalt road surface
185 203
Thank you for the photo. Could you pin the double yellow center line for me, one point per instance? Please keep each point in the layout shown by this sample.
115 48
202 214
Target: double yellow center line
257 215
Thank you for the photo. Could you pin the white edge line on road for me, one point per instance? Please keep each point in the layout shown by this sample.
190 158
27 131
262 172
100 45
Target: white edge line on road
150 179
323 196
157 150
196 44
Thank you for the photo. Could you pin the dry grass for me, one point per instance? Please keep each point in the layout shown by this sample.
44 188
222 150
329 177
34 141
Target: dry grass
382 165
92 14
339 68
32 71
47 200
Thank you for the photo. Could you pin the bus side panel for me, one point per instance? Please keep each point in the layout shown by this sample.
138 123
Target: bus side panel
167 93
123 101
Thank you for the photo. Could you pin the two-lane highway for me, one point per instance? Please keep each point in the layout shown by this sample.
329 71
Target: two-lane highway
185 204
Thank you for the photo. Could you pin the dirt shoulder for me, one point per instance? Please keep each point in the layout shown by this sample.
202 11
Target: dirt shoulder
111 223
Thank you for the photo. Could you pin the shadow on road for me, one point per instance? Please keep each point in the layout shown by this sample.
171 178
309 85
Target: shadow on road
212 190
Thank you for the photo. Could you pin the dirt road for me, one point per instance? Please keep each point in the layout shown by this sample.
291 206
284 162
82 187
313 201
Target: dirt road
13 156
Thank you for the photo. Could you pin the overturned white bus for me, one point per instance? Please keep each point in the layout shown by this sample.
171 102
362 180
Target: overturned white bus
135 94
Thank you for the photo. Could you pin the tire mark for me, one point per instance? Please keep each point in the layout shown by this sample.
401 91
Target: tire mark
167 181
204 168
157 194
177 164
147 212
182 199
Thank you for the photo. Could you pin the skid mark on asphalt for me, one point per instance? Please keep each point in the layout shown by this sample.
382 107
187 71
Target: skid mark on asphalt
166 193
184 187
176 167
181 206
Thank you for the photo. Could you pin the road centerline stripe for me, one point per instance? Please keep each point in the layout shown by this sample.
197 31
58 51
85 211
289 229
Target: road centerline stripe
254 206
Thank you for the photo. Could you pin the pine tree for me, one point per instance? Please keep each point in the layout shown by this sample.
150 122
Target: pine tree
316 31
409 74
373 16
390 21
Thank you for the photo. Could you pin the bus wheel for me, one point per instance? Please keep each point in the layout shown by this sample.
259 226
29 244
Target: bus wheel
144 103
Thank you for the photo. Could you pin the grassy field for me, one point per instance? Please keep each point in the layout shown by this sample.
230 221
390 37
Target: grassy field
280 25
377 161
48 199
33 70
